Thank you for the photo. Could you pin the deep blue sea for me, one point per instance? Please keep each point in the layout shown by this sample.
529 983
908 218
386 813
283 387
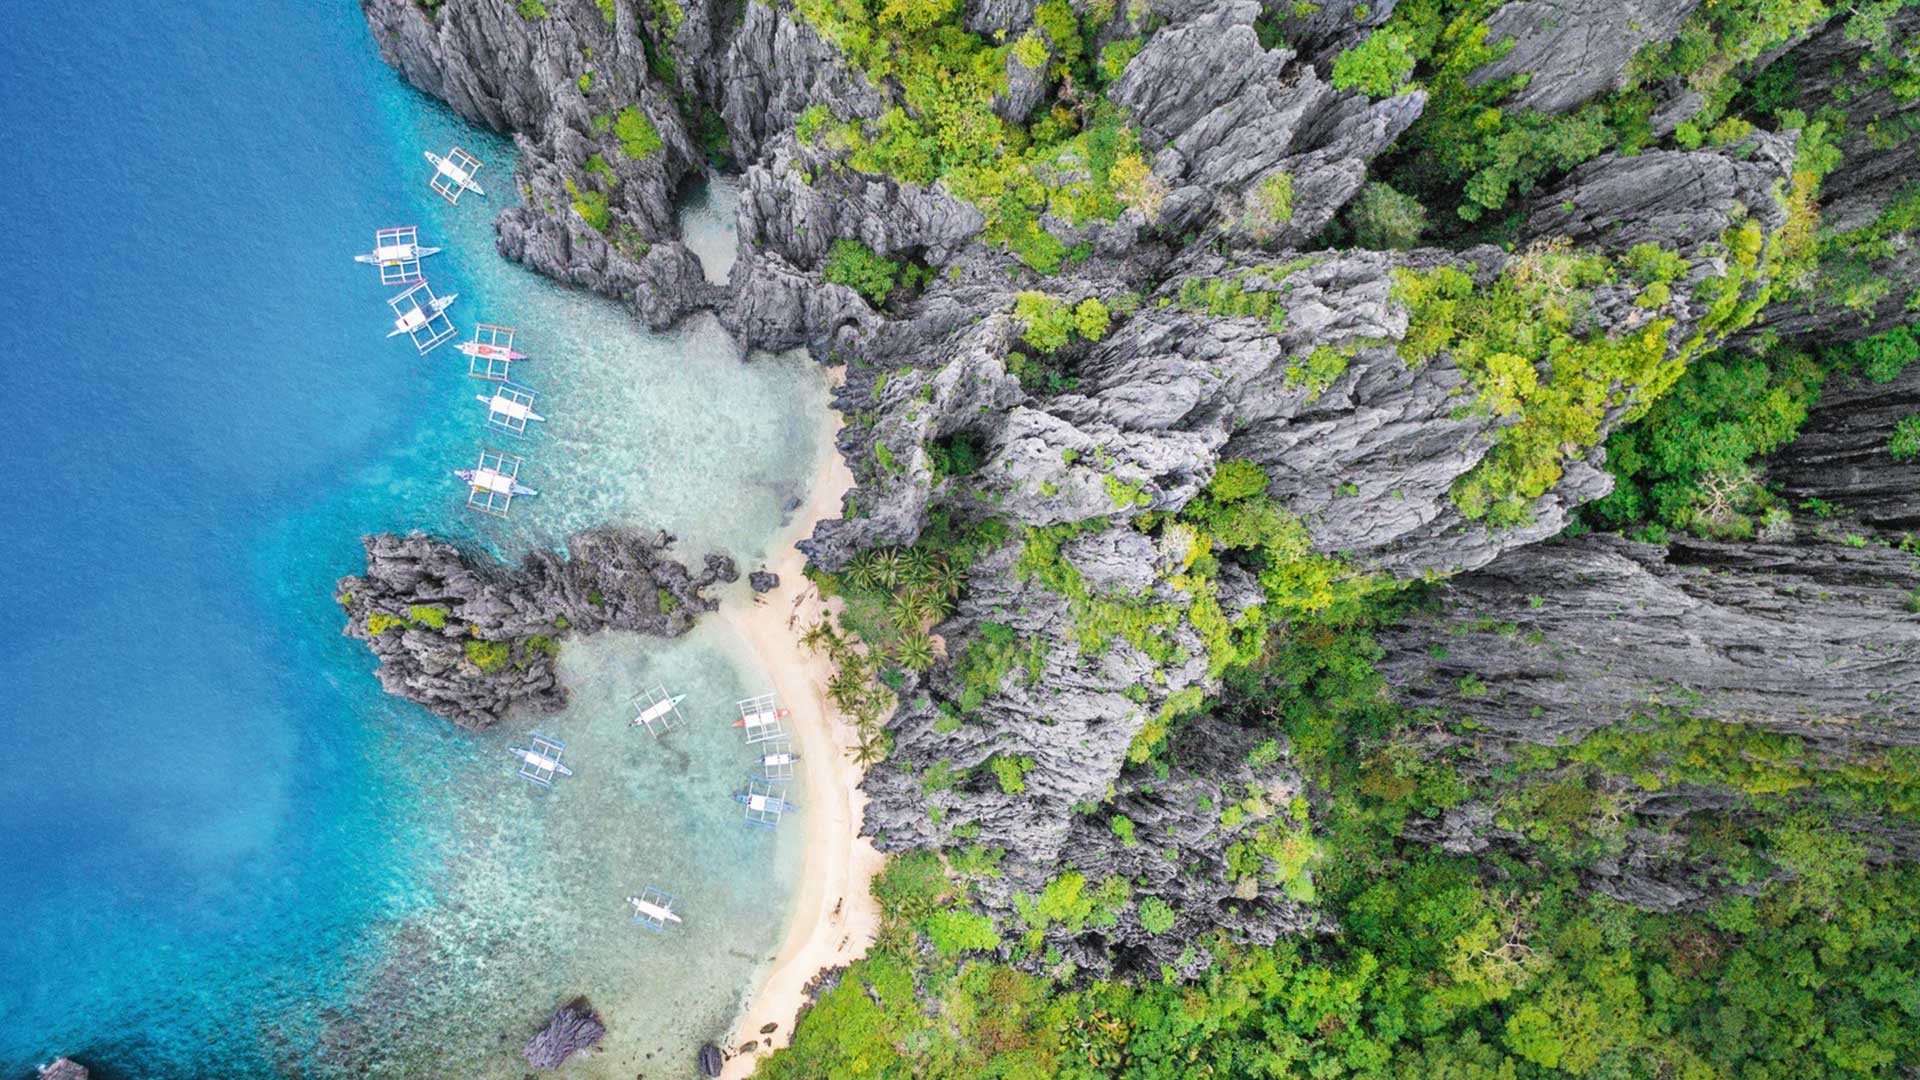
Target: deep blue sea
223 852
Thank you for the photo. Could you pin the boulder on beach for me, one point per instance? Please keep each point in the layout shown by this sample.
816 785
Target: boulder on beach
574 1027
763 581
711 1059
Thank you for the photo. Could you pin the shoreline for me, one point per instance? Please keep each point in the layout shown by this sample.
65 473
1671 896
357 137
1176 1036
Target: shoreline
834 916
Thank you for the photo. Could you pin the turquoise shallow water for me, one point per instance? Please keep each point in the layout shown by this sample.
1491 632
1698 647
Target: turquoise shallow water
225 852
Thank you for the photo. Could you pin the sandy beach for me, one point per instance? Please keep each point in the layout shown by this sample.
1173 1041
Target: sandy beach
834 917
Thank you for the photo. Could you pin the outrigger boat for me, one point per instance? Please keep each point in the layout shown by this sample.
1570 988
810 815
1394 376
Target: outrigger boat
509 408
494 482
760 716
481 350
653 908
492 352
759 802
422 316
778 766
453 174
540 759
653 713
397 252
765 802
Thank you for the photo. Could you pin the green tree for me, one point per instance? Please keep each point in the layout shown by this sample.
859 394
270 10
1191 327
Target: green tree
857 266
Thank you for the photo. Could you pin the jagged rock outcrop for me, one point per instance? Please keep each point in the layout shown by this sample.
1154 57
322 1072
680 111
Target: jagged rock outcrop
574 1029
776 67
1225 117
1867 286
558 82
1841 455
470 638
1320 31
1552 642
1573 50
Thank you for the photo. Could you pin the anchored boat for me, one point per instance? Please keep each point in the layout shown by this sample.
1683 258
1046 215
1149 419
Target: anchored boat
540 759
494 482
509 409
453 174
397 252
653 908
422 316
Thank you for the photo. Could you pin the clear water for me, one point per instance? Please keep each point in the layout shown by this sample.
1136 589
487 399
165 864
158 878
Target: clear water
224 852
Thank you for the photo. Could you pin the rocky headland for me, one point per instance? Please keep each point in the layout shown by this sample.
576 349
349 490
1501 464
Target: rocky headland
470 637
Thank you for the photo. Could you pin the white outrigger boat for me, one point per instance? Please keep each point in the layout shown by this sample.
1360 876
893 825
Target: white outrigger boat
653 908
765 801
540 760
453 174
779 763
492 352
422 317
509 408
659 711
760 719
493 483
397 252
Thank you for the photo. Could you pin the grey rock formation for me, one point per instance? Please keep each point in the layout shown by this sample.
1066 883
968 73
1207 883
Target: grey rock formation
1320 31
612 578
1869 290
1574 50
499 68
763 581
1225 116
1841 455
1678 199
776 67
63 1069
1552 642
574 1029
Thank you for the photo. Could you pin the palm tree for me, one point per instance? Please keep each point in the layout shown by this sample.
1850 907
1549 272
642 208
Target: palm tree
919 563
860 573
818 635
948 578
846 688
887 568
914 609
916 652
869 751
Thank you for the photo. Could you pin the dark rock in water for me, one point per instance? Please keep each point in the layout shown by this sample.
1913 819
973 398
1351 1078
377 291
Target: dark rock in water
63 1069
763 581
574 1028
711 1060
469 637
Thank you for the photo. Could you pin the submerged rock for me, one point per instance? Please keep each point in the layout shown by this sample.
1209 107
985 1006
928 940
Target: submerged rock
711 1060
63 1069
574 1028
469 637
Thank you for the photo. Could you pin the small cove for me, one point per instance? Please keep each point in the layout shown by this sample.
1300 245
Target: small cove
240 858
